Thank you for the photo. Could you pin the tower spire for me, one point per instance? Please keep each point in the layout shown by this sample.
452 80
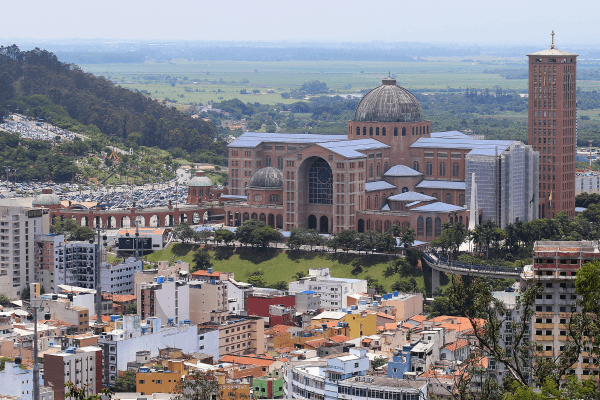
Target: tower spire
552 34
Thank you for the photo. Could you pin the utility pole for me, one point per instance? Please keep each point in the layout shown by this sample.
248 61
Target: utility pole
7 172
36 367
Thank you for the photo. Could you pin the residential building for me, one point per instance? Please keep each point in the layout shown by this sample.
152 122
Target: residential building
240 335
17 381
74 265
118 278
166 298
258 303
406 305
82 366
237 292
18 228
553 127
281 315
354 323
587 182
165 380
308 300
63 310
129 336
344 377
208 341
269 386
121 303
332 291
208 301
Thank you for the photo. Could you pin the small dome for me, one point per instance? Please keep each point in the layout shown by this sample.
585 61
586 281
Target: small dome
389 103
46 199
266 178
200 181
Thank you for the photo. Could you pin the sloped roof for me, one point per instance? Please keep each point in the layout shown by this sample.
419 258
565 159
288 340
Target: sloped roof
439 207
426 184
339 338
253 139
401 170
459 344
352 148
553 52
247 360
378 185
411 196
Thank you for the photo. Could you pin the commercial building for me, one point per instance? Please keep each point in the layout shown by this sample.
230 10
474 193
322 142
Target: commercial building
82 366
587 182
553 127
164 380
355 323
240 335
130 335
18 227
332 292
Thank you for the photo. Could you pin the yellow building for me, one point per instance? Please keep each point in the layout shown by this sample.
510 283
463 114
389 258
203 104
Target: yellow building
150 380
357 324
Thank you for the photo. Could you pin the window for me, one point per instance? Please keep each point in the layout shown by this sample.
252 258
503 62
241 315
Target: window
461 200
370 170
429 169
438 226
420 226
442 169
320 183
455 169
416 166
382 131
364 130
357 130
377 131
378 169
403 131
428 226
448 198
279 162
404 189
371 131
268 161
395 131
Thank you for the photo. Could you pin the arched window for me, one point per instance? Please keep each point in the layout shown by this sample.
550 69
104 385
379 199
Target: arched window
455 169
420 130
442 169
376 204
438 227
386 226
404 189
377 131
420 226
254 216
385 167
428 130
368 202
280 162
268 161
428 226
382 131
429 168
395 131
460 219
416 166
405 226
370 170
403 131
371 131
413 131
201 192
378 169
320 183
451 220
448 198
357 130
461 200
364 130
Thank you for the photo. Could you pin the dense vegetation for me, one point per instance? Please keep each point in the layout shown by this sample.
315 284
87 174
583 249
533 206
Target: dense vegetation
75 100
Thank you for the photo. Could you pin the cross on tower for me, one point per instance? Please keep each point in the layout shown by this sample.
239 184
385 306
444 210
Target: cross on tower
552 46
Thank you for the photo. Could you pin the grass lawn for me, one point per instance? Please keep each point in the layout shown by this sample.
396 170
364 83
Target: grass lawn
281 265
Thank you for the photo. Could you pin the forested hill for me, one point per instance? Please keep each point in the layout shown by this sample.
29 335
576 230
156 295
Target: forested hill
36 80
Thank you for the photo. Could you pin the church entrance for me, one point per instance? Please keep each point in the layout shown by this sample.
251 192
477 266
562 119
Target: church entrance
312 222
324 224
361 225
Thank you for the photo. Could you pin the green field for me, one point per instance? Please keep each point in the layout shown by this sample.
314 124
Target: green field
281 265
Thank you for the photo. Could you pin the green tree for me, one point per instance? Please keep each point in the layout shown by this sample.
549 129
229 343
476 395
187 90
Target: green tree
125 383
183 232
407 238
224 235
131 309
82 233
201 260
4 300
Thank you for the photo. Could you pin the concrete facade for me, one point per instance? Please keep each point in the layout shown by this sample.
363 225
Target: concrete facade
82 366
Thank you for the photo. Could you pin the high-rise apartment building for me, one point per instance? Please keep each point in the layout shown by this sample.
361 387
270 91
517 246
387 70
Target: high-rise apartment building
553 127
18 227
82 366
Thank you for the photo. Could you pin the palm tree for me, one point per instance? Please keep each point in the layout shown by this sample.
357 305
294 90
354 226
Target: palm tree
408 238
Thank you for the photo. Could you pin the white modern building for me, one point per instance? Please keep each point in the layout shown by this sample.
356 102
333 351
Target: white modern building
18 227
345 377
237 294
333 292
587 182
17 382
74 265
208 342
166 298
118 278
130 335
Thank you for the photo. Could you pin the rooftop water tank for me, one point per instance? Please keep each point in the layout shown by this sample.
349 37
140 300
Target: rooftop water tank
395 294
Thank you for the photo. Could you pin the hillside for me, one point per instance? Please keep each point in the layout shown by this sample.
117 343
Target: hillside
37 83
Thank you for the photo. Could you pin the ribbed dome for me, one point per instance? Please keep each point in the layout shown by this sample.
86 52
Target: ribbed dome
266 178
200 181
389 103
46 199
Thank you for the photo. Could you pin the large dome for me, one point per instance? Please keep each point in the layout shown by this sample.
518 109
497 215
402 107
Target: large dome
46 199
200 181
389 103
266 178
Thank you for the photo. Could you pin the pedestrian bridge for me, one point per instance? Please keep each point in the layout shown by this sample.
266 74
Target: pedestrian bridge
439 264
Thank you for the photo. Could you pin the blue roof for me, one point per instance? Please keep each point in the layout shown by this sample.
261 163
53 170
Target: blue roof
439 207
441 185
378 185
309 291
253 139
401 170
232 197
411 196
459 141
580 209
351 148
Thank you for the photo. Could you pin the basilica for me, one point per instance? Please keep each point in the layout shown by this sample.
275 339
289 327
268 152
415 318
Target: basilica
389 168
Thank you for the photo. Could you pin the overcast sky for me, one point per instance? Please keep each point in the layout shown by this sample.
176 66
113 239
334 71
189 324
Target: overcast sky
458 21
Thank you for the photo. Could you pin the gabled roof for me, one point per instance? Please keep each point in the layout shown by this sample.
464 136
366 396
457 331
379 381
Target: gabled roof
378 185
386 207
253 139
418 318
459 344
350 148
382 315
401 170
553 52
426 184
455 140
316 342
391 326
439 207
411 196
339 338
278 330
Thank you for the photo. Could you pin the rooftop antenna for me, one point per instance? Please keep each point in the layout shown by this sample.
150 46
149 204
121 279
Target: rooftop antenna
552 34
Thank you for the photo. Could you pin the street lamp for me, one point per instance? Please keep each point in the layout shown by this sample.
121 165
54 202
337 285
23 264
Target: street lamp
98 251
35 305
7 172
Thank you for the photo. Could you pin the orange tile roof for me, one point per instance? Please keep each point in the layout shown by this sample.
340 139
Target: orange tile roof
391 327
339 338
246 360
215 274
105 318
316 342
131 231
418 318
277 330
283 350
459 344
122 298
367 340
406 325
382 315
380 328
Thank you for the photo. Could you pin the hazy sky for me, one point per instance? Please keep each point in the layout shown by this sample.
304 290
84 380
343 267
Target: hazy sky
470 21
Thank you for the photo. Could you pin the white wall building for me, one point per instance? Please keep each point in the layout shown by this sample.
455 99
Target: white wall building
74 265
587 182
18 382
18 227
236 291
332 291
166 298
121 344
208 342
118 278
